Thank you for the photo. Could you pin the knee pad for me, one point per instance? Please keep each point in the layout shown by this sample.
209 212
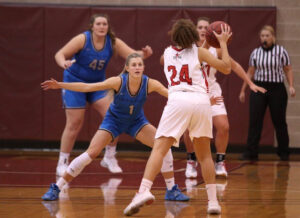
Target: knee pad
167 165
78 164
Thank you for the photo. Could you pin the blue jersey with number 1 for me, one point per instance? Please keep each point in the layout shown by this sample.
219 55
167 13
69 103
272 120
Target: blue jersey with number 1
126 113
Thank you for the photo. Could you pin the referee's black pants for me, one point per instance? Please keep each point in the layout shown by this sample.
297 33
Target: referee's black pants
276 98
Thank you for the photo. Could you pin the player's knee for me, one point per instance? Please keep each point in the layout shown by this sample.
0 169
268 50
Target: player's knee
223 128
74 125
94 151
167 165
78 164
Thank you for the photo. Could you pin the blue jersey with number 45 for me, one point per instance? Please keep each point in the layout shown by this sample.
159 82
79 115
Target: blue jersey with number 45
91 63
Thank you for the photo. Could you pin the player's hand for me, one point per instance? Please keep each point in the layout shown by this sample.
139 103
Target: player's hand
216 100
242 97
50 84
225 34
292 91
256 88
68 63
147 51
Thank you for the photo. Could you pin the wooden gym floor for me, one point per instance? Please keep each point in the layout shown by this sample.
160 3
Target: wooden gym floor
253 189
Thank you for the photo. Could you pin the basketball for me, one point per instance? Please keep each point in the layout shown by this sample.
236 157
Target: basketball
211 39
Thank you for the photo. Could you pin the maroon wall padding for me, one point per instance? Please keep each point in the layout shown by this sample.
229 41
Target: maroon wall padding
61 24
21 71
250 23
31 35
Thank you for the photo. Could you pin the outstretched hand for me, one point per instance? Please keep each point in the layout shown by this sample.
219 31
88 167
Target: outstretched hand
216 100
225 34
256 88
50 84
147 51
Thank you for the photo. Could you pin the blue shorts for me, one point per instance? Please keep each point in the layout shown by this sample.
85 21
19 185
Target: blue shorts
73 99
116 126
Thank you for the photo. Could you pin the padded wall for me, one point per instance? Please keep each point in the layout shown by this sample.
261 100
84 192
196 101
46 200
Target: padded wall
30 36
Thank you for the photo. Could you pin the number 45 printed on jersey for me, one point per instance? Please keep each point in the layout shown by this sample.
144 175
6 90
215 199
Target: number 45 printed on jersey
97 64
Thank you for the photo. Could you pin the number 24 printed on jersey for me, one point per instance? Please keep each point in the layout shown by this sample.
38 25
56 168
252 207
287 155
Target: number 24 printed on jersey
183 75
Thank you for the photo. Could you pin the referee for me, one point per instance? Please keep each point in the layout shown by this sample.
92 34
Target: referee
269 64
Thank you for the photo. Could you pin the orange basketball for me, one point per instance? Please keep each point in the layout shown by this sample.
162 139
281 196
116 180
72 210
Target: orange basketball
210 36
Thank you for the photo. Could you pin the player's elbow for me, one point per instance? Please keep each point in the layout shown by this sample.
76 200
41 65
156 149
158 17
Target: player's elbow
161 60
227 70
56 56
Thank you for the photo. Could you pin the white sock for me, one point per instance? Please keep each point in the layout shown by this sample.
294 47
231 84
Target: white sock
63 158
110 151
61 182
145 185
170 183
211 190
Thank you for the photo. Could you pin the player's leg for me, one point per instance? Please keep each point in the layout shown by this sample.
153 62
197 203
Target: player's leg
146 136
74 121
191 164
172 125
221 125
100 139
200 129
203 153
109 160
74 104
154 164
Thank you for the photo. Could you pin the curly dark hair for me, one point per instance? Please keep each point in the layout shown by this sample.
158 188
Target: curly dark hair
184 33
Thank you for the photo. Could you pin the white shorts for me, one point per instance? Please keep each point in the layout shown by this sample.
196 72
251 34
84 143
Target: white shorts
186 110
217 109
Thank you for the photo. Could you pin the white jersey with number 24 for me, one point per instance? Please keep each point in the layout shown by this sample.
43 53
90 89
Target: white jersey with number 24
183 71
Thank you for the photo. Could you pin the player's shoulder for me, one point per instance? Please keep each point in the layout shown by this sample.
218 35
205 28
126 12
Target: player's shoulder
167 51
168 48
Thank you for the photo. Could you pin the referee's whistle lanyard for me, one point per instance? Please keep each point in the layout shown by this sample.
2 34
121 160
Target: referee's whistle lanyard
265 48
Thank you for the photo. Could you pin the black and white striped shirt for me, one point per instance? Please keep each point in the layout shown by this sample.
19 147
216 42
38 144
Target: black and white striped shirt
269 63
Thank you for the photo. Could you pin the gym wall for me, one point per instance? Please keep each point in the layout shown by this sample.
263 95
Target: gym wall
30 35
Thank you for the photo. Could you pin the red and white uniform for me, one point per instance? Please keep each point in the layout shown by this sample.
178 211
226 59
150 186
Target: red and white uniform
214 87
188 105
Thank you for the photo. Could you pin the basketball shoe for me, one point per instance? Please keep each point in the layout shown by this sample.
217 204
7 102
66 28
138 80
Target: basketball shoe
138 201
221 169
111 164
213 207
191 171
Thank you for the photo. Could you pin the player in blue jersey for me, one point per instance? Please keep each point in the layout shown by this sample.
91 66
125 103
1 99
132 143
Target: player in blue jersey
125 115
85 58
